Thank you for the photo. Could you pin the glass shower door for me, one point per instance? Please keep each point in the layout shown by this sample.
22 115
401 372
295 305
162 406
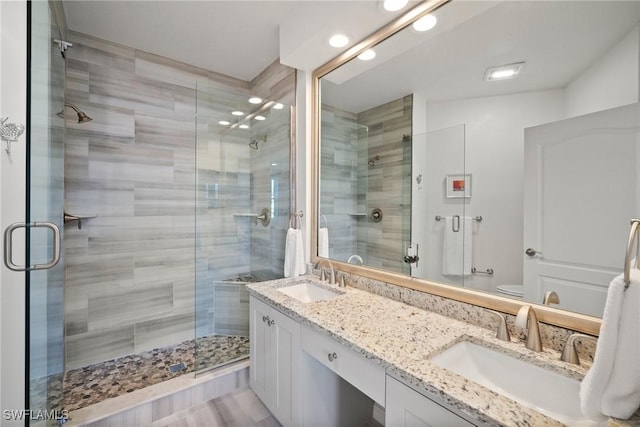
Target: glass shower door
45 180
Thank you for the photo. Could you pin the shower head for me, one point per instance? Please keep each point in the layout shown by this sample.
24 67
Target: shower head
255 144
82 116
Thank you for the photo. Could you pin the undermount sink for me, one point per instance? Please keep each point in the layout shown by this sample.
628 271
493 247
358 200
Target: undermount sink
308 292
545 391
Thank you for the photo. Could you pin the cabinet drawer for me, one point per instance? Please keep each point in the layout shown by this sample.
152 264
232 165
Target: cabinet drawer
364 374
408 408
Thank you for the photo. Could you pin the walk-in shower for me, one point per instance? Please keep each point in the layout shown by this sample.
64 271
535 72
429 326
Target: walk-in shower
173 205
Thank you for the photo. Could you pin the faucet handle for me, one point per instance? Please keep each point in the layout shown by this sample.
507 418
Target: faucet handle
569 352
502 333
323 275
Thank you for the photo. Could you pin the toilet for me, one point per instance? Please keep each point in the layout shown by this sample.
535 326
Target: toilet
513 291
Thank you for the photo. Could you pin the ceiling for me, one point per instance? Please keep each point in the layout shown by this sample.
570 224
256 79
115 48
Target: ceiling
557 40
236 38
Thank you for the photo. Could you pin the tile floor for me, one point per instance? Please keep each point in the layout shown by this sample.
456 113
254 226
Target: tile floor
240 408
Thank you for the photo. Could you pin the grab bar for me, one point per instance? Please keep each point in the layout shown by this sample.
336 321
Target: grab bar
487 271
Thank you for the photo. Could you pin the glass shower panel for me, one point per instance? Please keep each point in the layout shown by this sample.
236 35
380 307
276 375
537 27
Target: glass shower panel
242 212
360 176
343 183
270 190
45 194
438 205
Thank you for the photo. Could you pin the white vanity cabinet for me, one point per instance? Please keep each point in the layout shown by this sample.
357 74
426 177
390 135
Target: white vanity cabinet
275 361
408 408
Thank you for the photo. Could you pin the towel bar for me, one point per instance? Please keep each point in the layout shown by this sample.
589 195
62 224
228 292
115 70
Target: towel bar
475 218
633 237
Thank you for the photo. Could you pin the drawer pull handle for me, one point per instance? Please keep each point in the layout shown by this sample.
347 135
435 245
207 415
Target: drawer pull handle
271 322
265 319
332 357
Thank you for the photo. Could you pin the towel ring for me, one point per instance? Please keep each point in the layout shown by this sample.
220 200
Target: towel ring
633 237
326 223
295 220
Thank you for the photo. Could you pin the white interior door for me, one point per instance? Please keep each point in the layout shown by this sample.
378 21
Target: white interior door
580 191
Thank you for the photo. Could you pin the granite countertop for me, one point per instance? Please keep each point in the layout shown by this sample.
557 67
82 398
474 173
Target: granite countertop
403 338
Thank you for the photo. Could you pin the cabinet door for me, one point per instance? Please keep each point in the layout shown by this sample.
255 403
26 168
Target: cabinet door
286 353
408 408
260 348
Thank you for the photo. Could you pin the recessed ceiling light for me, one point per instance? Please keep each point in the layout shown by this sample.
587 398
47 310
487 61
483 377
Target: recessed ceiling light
274 164
260 118
503 72
244 126
339 40
224 123
394 5
425 23
278 106
237 113
255 100
367 55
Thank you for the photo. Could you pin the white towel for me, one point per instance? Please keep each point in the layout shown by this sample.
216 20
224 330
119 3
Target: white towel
323 242
456 247
612 385
294 254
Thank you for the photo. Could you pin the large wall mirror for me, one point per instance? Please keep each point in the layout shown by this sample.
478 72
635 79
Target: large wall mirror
489 146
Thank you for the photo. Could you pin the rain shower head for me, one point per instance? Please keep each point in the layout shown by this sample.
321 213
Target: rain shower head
82 116
255 144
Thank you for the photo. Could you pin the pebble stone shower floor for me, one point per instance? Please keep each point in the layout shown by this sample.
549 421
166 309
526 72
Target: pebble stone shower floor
94 383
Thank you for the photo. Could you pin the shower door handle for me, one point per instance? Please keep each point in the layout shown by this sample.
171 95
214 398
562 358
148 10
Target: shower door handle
8 246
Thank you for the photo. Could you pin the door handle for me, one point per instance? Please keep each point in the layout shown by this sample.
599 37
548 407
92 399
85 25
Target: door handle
8 246
532 252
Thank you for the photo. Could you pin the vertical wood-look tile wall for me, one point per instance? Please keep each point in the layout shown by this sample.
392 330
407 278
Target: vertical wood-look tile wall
130 272
351 187
388 182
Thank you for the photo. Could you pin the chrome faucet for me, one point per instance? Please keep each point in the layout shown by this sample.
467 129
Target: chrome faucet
502 333
332 276
569 352
527 317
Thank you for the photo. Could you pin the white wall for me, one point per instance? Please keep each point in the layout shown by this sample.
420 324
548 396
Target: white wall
12 190
610 82
303 157
494 142
494 150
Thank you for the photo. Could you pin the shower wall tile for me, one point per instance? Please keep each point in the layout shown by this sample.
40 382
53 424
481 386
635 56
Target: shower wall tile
276 83
139 165
154 333
129 306
349 142
388 127
338 188
104 344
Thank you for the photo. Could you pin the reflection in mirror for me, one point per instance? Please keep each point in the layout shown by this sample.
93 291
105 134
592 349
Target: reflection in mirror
531 170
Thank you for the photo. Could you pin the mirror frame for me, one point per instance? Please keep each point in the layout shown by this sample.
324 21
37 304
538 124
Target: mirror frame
553 316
